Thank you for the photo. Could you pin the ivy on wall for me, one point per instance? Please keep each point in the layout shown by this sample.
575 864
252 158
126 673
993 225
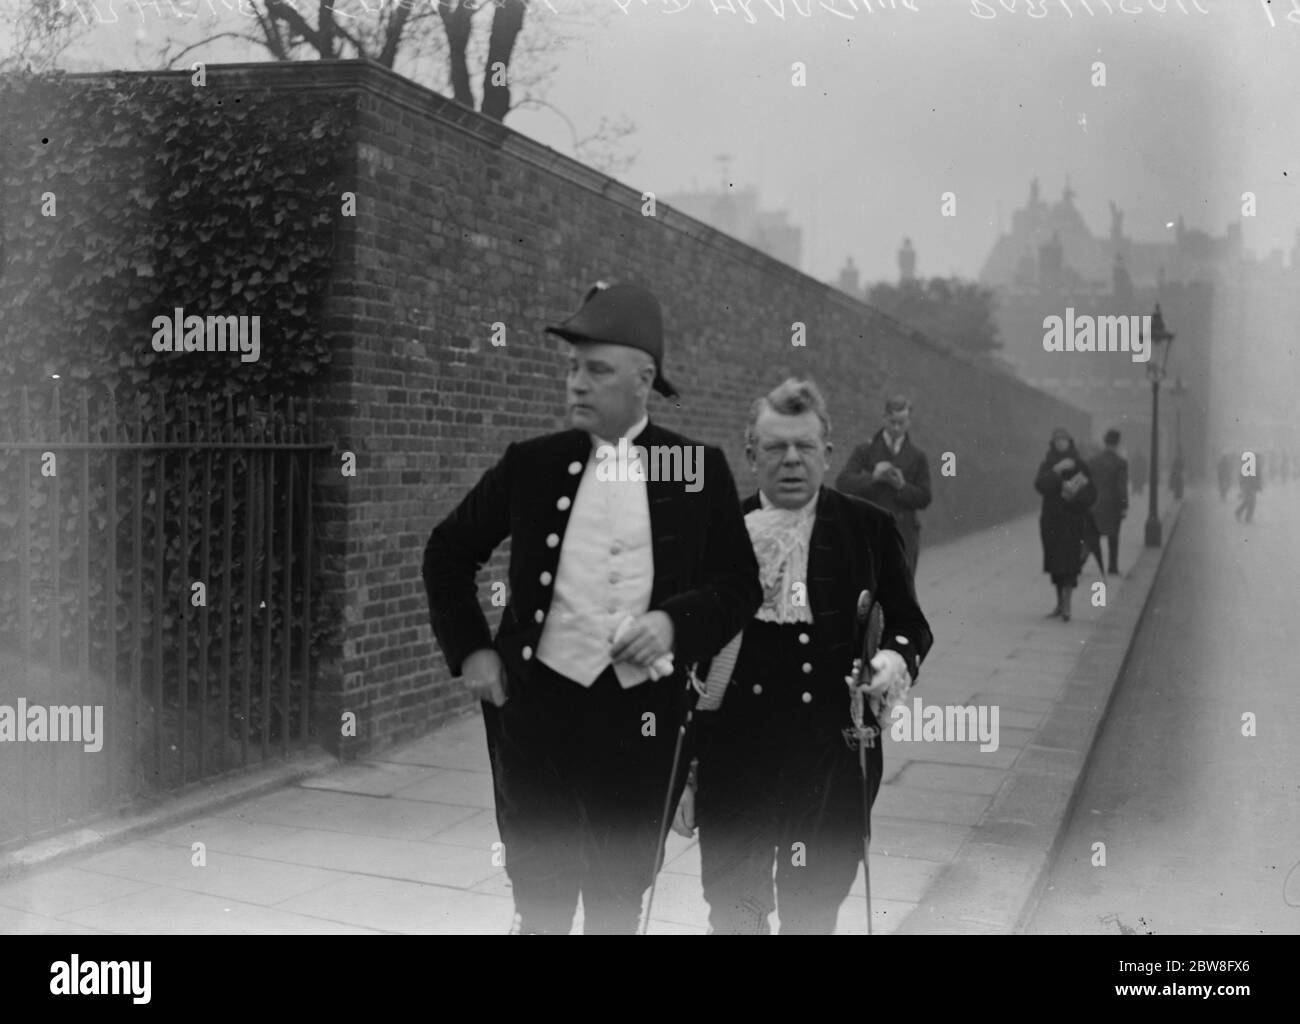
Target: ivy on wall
125 198
122 199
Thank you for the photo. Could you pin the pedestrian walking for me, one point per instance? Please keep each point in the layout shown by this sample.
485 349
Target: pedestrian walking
1109 472
778 785
616 587
892 472
1065 483
1251 483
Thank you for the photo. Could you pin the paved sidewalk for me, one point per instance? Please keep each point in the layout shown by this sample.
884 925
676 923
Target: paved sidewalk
404 842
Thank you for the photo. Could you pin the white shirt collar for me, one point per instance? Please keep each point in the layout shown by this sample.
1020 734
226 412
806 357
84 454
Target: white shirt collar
632 432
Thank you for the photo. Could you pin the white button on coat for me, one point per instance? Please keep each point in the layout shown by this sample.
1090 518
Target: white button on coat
575 468
806 668
563 503
757 689
527 653
807 697
546 578
804 638
539 615
552 540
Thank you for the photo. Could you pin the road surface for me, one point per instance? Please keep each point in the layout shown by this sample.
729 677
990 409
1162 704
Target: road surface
1201 824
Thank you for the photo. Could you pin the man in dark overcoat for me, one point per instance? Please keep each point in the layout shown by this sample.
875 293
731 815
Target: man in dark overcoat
1110 477
629 562
892 472
1251 481
778 785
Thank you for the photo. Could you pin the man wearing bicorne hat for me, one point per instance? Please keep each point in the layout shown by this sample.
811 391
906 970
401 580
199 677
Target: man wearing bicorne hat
616 586
776 779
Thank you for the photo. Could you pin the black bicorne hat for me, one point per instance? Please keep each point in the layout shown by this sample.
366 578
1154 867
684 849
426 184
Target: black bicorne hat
620 314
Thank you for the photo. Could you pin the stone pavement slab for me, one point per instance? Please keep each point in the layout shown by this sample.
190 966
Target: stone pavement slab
405 907
16 922
64 890
350 813
162 910
247 879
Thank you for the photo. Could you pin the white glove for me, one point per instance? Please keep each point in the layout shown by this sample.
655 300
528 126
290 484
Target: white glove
663 665
889 683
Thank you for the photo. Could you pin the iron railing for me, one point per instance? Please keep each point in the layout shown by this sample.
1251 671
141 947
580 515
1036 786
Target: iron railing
156 560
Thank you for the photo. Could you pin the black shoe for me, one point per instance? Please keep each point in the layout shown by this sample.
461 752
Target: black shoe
1055 613
1065 616
1113 571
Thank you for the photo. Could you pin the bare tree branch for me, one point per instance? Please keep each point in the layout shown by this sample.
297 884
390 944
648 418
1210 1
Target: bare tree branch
41 31
423 35
204 42
599 149
278 10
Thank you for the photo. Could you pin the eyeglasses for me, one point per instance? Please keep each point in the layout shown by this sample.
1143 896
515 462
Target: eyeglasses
775 451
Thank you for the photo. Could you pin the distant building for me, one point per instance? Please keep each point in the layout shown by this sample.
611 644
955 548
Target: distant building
850 281
1051 261
1077 258
736 212
906 262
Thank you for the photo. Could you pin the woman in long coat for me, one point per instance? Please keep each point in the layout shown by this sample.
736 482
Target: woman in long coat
1065 483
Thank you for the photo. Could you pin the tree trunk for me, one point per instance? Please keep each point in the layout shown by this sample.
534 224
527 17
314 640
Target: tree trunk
393 38
507 23
456 22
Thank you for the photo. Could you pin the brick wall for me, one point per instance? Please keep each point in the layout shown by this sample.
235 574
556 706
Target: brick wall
462 223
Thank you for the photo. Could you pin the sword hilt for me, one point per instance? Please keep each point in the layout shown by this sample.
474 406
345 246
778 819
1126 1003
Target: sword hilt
871 623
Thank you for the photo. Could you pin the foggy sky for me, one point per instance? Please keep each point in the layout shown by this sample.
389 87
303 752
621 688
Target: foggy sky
900 107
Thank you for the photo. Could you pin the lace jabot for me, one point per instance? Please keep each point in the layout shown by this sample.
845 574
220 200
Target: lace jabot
781 539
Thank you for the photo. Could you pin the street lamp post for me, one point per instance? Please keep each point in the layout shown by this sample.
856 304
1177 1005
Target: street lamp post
1156 373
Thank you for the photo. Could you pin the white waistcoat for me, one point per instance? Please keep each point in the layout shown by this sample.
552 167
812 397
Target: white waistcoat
605 574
